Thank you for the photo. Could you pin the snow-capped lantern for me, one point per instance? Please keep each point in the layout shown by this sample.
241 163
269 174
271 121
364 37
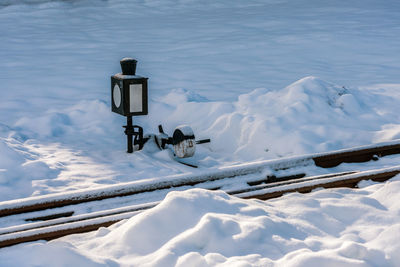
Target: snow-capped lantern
184 142
128 90
129 98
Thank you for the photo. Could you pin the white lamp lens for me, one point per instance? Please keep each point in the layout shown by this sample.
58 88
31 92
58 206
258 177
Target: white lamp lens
117 95
135 95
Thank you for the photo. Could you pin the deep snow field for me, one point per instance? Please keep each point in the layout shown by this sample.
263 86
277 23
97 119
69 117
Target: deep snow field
262 79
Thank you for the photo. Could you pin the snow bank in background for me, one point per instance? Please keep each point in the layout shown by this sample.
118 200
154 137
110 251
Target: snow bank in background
83 145
339 227
310 115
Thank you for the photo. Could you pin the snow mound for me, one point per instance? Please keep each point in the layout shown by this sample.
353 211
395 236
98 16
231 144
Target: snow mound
308 116
85 144
179 96
213 228
19 168
78 123
339 227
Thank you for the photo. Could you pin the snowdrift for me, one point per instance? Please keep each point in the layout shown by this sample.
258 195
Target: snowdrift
340 227
81 146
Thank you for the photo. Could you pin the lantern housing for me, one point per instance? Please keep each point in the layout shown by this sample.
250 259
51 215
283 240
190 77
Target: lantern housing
129 91
129 98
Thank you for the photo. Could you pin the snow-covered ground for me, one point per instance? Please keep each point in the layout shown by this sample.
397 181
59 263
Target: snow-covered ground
262 79
339 227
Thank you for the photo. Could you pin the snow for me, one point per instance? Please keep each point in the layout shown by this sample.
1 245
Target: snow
204 61
73 149
310 182
261 79
206 228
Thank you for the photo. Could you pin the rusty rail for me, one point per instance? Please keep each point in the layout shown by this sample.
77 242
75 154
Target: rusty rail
325 160
360 154
307 185
261 188
273 190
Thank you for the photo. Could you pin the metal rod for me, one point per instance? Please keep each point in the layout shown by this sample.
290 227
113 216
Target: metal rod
129 133
203 141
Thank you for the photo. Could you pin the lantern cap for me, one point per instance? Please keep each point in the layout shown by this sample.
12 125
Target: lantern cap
128 66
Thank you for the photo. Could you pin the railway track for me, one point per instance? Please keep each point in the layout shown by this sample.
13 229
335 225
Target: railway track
56 215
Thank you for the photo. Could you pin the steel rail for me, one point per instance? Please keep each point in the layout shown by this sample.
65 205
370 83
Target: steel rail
85 223
51 220
307 185
76 218
286 182
148 185
328 159
357 154
55 217
262 188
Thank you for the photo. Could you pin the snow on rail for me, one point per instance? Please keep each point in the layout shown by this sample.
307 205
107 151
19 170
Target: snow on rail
314 183
55 231
81 217
89 222
151 184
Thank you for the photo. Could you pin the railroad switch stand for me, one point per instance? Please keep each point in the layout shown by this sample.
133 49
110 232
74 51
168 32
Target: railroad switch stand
129 98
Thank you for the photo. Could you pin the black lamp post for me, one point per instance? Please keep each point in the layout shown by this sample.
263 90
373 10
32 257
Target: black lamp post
129 98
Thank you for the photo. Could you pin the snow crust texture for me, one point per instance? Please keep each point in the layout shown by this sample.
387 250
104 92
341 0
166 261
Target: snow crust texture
339 227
